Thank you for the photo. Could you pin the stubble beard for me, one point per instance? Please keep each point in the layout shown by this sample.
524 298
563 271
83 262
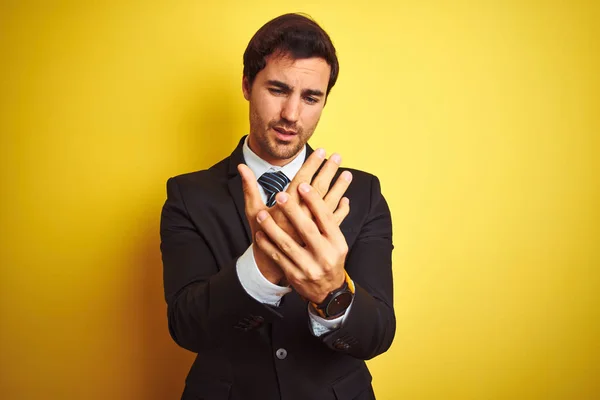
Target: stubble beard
269 144
279 149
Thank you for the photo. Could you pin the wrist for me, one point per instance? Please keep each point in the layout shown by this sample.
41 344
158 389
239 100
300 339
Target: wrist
337 301
335 285
267 268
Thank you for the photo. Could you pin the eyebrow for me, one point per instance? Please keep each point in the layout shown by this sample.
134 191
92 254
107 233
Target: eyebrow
288 88
312 92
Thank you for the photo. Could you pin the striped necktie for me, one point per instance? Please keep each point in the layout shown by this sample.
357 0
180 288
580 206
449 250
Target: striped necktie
273 183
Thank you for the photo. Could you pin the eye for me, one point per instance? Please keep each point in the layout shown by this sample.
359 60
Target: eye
275 91
311 100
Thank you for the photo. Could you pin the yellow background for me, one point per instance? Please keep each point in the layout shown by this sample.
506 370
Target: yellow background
480 118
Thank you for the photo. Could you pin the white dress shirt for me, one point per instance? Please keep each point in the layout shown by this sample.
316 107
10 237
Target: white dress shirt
257 286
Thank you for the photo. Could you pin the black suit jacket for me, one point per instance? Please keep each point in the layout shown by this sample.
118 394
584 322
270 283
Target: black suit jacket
203 232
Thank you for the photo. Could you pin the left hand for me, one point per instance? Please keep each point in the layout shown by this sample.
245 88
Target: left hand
318 268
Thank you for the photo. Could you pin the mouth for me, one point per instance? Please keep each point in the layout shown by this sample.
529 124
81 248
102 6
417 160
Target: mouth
284 134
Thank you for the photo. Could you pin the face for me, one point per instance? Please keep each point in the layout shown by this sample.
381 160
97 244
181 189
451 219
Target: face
286 101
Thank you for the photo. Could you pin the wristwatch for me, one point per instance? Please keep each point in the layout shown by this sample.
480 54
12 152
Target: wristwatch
337 301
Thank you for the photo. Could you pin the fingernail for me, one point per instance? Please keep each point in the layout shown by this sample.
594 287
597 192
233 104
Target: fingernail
320 153
347 176
336 158
259 235
304 187
261 216
282 198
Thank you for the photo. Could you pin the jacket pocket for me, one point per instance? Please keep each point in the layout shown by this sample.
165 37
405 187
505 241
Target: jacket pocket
353 385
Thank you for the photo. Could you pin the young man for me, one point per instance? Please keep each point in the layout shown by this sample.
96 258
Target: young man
280 284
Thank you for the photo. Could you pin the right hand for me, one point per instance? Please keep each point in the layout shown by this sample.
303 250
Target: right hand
339 205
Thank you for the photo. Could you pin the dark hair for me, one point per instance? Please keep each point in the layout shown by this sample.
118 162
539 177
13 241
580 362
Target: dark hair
289 34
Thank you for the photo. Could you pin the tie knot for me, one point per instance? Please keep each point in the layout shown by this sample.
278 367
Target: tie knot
273 183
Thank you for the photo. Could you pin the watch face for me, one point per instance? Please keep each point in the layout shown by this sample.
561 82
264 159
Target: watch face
339 304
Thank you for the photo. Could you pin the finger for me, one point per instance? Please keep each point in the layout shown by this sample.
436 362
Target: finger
274 253
302 222
306 173
296 253
252 199
322 181
342 211
323 217
332 235
284 223
333 197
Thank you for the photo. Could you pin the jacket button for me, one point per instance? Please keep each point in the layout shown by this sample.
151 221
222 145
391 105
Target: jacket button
281 354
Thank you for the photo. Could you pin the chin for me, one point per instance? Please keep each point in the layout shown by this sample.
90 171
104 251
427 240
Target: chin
285 150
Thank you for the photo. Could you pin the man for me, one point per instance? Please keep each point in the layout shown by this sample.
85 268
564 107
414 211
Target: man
282 288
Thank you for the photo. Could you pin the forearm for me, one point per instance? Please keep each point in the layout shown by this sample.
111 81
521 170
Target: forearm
368 329
370 325
211 312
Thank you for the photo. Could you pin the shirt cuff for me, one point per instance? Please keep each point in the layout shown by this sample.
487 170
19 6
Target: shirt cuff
321 326
255 284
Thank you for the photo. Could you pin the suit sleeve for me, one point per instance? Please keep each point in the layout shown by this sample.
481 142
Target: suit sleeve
206 304
369 327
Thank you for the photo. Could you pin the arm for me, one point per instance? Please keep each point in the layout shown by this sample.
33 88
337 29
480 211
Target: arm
369 327
206 302
318 268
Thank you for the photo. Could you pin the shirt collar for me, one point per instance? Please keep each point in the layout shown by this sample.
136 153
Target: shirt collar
260 166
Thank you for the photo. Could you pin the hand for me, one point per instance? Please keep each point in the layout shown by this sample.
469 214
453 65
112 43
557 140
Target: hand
254 202
321 183
314 270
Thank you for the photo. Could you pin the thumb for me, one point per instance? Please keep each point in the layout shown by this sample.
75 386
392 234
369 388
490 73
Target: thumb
252 199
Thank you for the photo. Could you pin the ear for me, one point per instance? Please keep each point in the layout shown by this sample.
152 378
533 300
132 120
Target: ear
246 88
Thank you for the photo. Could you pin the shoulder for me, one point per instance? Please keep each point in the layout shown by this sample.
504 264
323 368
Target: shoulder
208 186
202 178
369 212
358 175
365 193
363 183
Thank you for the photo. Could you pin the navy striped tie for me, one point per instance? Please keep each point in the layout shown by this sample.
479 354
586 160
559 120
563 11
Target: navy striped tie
273 183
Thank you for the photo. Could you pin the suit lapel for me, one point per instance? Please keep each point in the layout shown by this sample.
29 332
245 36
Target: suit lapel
309 151
234 184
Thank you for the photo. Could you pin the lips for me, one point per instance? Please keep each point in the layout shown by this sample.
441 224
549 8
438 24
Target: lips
283 135
283 131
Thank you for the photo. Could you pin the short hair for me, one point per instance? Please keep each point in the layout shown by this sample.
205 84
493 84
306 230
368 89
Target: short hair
292 34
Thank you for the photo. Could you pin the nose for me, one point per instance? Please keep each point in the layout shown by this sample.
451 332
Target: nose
291 109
